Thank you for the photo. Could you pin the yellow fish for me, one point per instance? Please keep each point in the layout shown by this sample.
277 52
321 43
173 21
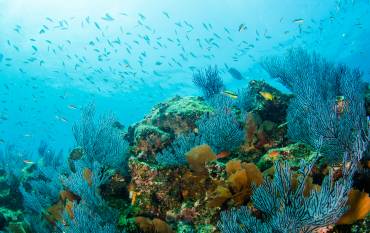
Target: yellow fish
266 95
230 94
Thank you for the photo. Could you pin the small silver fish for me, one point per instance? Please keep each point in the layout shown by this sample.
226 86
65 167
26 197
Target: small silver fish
107 17
242 27
72 106
62 119
298 21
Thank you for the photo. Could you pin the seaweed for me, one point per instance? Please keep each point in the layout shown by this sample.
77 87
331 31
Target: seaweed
100 141
208 81
328 100
174 155
285 208
221 131
11 163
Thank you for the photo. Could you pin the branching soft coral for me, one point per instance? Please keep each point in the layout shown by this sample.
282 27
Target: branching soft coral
43 190
208 81
11 163
100 141
92 213
221 131
87 221
328 100
284 206
174 155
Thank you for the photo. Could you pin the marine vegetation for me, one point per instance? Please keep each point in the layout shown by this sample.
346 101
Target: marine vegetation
287 205
328 100
253 160
221 131
208 81
174 155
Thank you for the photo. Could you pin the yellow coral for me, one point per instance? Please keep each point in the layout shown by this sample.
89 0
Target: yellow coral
219 196
232 166
241 176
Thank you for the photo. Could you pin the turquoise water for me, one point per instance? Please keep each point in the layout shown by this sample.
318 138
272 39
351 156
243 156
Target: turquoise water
191 160
53 55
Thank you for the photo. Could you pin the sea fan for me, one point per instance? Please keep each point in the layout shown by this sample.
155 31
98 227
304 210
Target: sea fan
328 100
284 205
208 81
221 131
174 155
100 141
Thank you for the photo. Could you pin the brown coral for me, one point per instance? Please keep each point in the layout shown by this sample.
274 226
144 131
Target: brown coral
237 188
199 156
156 225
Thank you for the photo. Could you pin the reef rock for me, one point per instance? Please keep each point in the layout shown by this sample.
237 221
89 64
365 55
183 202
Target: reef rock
164 122
265 124
293 153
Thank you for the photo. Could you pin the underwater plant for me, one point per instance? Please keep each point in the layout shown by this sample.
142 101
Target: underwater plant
245 100
208 81
328 100
174 155
43 190
92 210
11 163
221 131
220 102
49 157
285 207
100 141
87 221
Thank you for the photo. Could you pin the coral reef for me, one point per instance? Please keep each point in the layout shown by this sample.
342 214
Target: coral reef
165 122
328 102
287 209
223 162
221 131
293 154
265 124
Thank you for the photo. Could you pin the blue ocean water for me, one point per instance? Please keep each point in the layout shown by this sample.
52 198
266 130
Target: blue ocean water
126 56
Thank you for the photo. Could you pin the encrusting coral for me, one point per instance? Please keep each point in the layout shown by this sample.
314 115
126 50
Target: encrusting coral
165 122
